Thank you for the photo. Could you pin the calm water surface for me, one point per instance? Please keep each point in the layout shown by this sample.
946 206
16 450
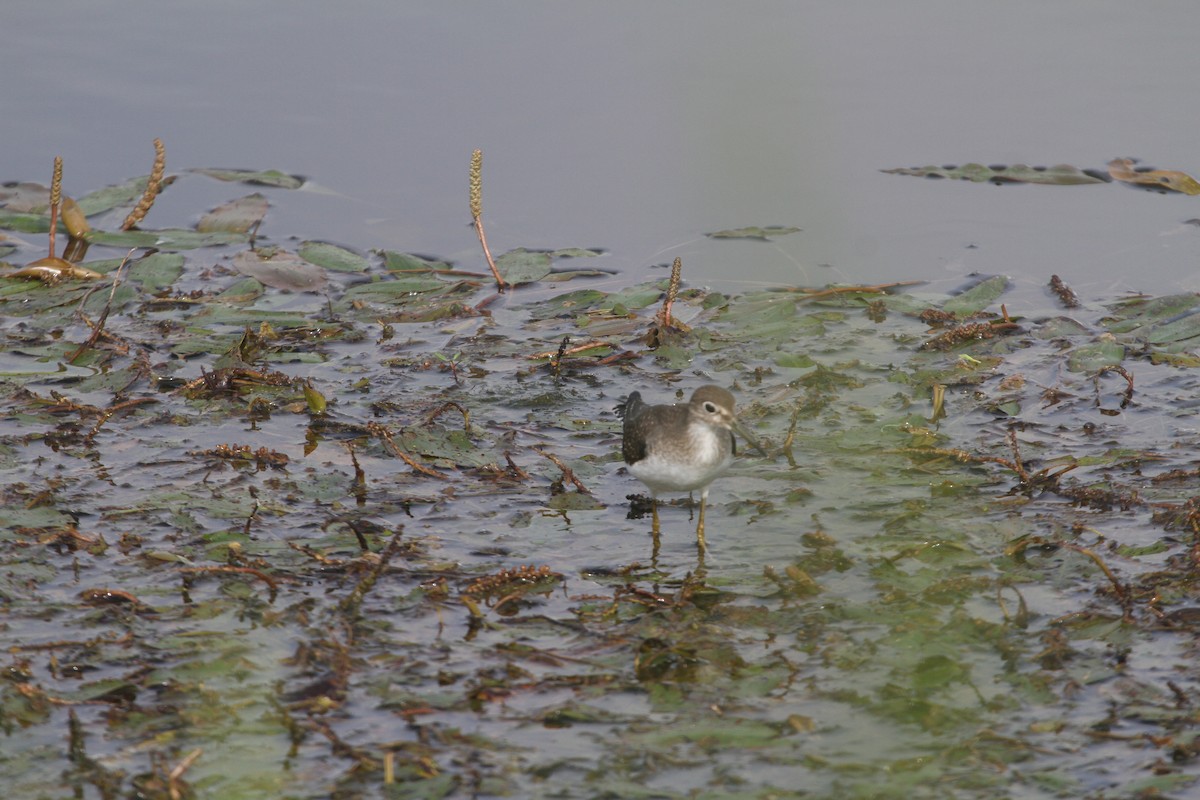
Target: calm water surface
638 127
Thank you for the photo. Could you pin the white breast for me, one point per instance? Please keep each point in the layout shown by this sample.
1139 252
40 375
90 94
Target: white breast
701 469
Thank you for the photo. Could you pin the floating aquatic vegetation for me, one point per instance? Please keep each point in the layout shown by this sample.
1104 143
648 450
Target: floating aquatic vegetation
1122 170
370 538
1060 174
270 177
754 232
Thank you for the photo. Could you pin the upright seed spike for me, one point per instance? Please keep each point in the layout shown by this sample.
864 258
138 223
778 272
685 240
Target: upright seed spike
153 187
476 184
55 199
665 319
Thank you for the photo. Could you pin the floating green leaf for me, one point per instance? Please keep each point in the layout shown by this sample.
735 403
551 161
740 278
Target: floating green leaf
408 262
753 232
237 216
167 239
794 361
1176 330
1130 315
766 317
270 177
574 501
157 271
576 252
216 314
560 276
569 303
978 297
635 297
1095 356
13 518
246 290
1060 174
937 672
25 223
121 195
394 291
524 266
333 257
454 446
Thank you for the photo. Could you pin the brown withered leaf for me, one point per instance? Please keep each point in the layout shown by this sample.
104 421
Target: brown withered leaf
25 197
280 269
1122 169
52 270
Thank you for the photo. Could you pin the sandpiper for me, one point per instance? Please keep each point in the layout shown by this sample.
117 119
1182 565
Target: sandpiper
680 448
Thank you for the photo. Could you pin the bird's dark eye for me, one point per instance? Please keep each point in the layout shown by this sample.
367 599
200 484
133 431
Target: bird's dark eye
710 408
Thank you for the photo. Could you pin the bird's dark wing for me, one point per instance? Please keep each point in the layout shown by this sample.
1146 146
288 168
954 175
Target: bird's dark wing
633 447
622 408
732 443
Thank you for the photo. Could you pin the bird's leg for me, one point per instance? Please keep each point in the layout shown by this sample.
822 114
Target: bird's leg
654 531
700 545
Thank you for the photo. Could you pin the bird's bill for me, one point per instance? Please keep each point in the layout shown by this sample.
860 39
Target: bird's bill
745 434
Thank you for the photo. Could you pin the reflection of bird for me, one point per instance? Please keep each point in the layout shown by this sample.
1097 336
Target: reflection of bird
679 448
